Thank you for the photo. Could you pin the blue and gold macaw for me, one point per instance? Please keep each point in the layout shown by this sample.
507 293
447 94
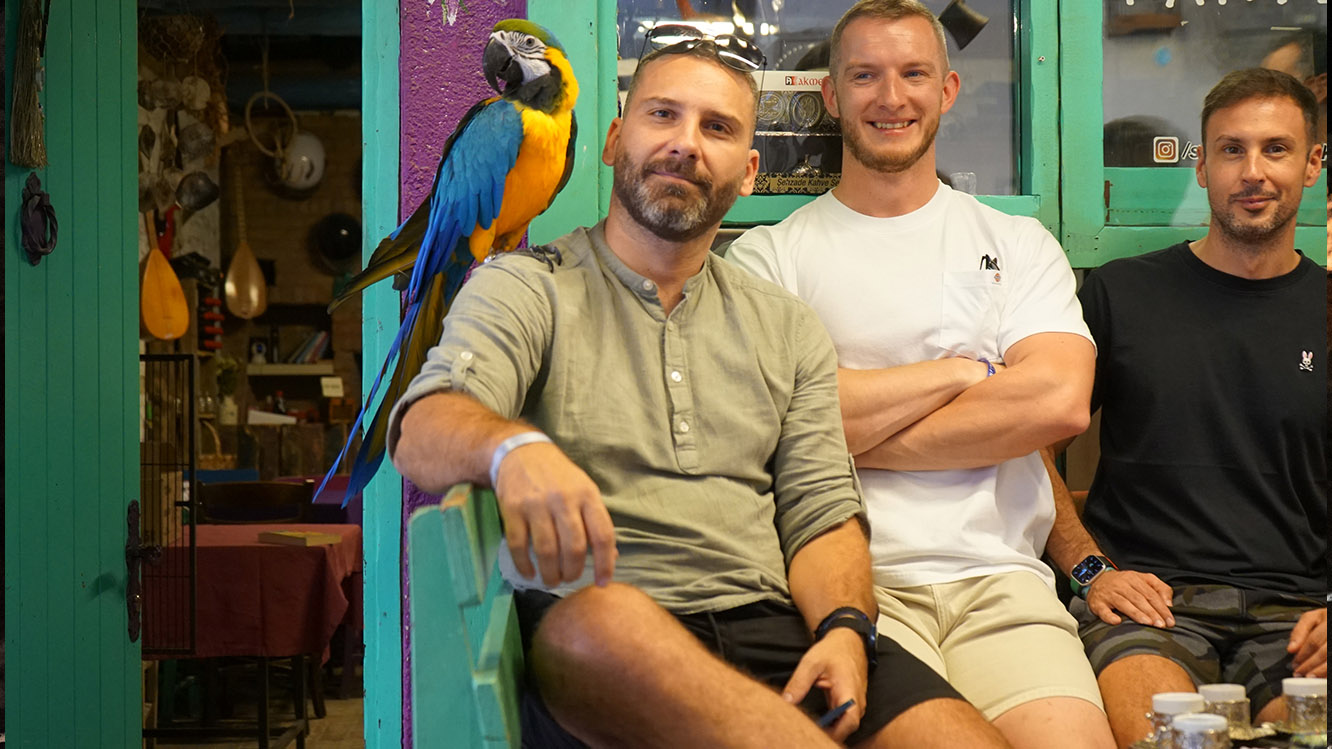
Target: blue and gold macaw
503 165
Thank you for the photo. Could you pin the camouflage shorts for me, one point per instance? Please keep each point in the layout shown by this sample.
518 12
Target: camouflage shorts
1221 634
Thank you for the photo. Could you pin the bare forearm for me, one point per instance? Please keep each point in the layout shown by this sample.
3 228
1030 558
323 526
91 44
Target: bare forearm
877 403
998 420
831 571
1069 541
1041 397
449 438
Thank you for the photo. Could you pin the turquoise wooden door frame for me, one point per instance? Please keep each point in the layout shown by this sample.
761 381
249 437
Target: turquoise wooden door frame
71 385
1120 212
382 498
590 41
592 46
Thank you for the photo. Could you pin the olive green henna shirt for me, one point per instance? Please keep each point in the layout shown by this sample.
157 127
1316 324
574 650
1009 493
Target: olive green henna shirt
713 432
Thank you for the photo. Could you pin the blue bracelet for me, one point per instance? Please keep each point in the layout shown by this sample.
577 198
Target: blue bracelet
989 368
501 452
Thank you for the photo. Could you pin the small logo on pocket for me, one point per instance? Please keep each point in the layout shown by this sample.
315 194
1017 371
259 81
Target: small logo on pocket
1306 361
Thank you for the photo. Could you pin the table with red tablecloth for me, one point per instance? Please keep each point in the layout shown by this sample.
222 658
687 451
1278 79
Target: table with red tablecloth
253 598
261 599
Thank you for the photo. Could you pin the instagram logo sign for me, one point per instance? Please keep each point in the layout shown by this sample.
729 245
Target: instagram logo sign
1165 149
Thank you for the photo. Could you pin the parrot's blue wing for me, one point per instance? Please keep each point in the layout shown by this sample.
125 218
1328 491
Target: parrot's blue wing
468 191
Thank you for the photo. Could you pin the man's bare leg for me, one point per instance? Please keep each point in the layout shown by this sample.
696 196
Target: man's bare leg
1127 686
615 669
938 724
1272 712
1056 723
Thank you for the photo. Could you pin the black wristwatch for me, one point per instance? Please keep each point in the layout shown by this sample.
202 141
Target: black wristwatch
1087 570
855 620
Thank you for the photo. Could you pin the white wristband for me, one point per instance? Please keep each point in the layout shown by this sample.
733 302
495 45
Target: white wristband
505 447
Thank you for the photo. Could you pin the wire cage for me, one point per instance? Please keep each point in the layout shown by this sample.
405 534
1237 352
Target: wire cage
166 476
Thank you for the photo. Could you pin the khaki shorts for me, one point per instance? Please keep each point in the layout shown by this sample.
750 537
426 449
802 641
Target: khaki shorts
1002 640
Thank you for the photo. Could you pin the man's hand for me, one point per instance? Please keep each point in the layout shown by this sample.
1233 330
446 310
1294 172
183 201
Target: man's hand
548 501
1140 596
837 665
1308 642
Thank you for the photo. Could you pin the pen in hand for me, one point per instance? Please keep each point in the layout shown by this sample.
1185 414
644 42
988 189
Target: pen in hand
832 715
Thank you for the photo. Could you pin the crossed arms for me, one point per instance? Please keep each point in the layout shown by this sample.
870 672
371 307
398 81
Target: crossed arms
947 413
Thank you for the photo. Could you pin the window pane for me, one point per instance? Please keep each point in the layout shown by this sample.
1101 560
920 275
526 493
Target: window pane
1162 57
798 141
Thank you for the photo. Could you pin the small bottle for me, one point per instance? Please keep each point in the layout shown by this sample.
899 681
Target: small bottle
279 404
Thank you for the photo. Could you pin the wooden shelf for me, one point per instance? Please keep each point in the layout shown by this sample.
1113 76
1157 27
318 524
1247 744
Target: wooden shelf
309 370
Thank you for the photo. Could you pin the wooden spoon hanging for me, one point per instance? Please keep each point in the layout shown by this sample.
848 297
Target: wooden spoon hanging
246 291
161 299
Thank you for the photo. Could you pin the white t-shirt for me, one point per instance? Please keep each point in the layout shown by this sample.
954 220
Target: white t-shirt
953 278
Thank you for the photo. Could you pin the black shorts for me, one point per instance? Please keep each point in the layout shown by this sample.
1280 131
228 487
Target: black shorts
765 640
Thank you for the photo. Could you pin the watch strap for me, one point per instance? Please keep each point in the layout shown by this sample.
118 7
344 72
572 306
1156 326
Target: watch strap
857 621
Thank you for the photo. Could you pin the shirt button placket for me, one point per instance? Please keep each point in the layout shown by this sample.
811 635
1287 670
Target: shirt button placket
680 397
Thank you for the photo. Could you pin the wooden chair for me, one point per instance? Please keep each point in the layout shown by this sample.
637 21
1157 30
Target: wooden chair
467 655
255 502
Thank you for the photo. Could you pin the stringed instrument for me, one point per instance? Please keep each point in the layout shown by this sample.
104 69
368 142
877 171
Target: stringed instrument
246 290
162 304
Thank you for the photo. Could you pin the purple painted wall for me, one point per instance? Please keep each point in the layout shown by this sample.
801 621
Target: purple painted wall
440 78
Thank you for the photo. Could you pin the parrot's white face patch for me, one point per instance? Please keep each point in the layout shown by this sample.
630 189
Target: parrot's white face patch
527 51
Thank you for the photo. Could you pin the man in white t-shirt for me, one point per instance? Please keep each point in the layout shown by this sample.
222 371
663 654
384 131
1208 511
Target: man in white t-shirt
962 351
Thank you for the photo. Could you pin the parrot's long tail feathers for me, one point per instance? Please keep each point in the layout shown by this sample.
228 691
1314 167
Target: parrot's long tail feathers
395 254
408 319
420 330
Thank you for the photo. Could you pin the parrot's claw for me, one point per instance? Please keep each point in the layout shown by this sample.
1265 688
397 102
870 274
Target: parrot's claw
545 253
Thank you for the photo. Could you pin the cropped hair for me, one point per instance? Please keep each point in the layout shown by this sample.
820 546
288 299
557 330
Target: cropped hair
884 10
1261 83
704 50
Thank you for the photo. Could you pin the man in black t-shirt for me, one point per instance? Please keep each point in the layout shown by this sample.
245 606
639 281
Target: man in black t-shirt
1206 558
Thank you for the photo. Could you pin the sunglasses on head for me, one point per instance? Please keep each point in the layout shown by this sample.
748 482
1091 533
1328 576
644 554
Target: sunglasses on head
736 52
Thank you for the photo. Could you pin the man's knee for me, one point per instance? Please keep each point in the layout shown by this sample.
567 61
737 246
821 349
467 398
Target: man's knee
595 628
1135 674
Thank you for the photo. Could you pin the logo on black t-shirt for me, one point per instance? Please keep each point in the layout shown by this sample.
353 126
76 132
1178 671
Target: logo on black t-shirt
1306 361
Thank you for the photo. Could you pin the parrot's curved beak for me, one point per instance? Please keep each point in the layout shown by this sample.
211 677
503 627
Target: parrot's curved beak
498 65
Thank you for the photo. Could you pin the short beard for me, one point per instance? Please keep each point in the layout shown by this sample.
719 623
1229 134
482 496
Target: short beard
659 211
1251 236
885 163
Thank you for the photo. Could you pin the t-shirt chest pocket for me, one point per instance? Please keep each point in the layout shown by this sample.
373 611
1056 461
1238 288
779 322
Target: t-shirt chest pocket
969 312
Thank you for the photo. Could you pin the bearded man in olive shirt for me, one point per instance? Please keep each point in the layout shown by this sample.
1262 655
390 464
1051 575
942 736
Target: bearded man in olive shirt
690 448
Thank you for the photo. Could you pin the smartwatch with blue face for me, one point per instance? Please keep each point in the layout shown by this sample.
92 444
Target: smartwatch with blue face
1086 571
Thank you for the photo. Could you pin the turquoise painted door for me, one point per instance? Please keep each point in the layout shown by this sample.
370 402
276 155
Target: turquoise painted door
71 384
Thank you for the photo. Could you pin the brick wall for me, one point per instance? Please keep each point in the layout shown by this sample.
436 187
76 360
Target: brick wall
278 229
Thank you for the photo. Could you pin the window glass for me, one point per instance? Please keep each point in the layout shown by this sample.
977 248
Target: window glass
1162 57
799 145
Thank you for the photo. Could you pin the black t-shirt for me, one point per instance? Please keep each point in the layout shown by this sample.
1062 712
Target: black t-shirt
1213 412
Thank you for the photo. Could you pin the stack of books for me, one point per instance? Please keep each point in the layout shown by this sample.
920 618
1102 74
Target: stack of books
299 538
312 350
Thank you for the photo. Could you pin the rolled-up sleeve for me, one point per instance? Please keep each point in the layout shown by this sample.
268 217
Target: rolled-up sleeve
814 482
495 337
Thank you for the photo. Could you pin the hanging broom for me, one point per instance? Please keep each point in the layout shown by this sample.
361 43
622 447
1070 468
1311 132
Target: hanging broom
27 137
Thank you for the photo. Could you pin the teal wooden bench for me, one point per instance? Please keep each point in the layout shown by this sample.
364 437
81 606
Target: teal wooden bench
467 655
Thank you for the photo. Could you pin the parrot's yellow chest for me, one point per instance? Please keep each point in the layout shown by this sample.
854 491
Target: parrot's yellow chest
531 183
